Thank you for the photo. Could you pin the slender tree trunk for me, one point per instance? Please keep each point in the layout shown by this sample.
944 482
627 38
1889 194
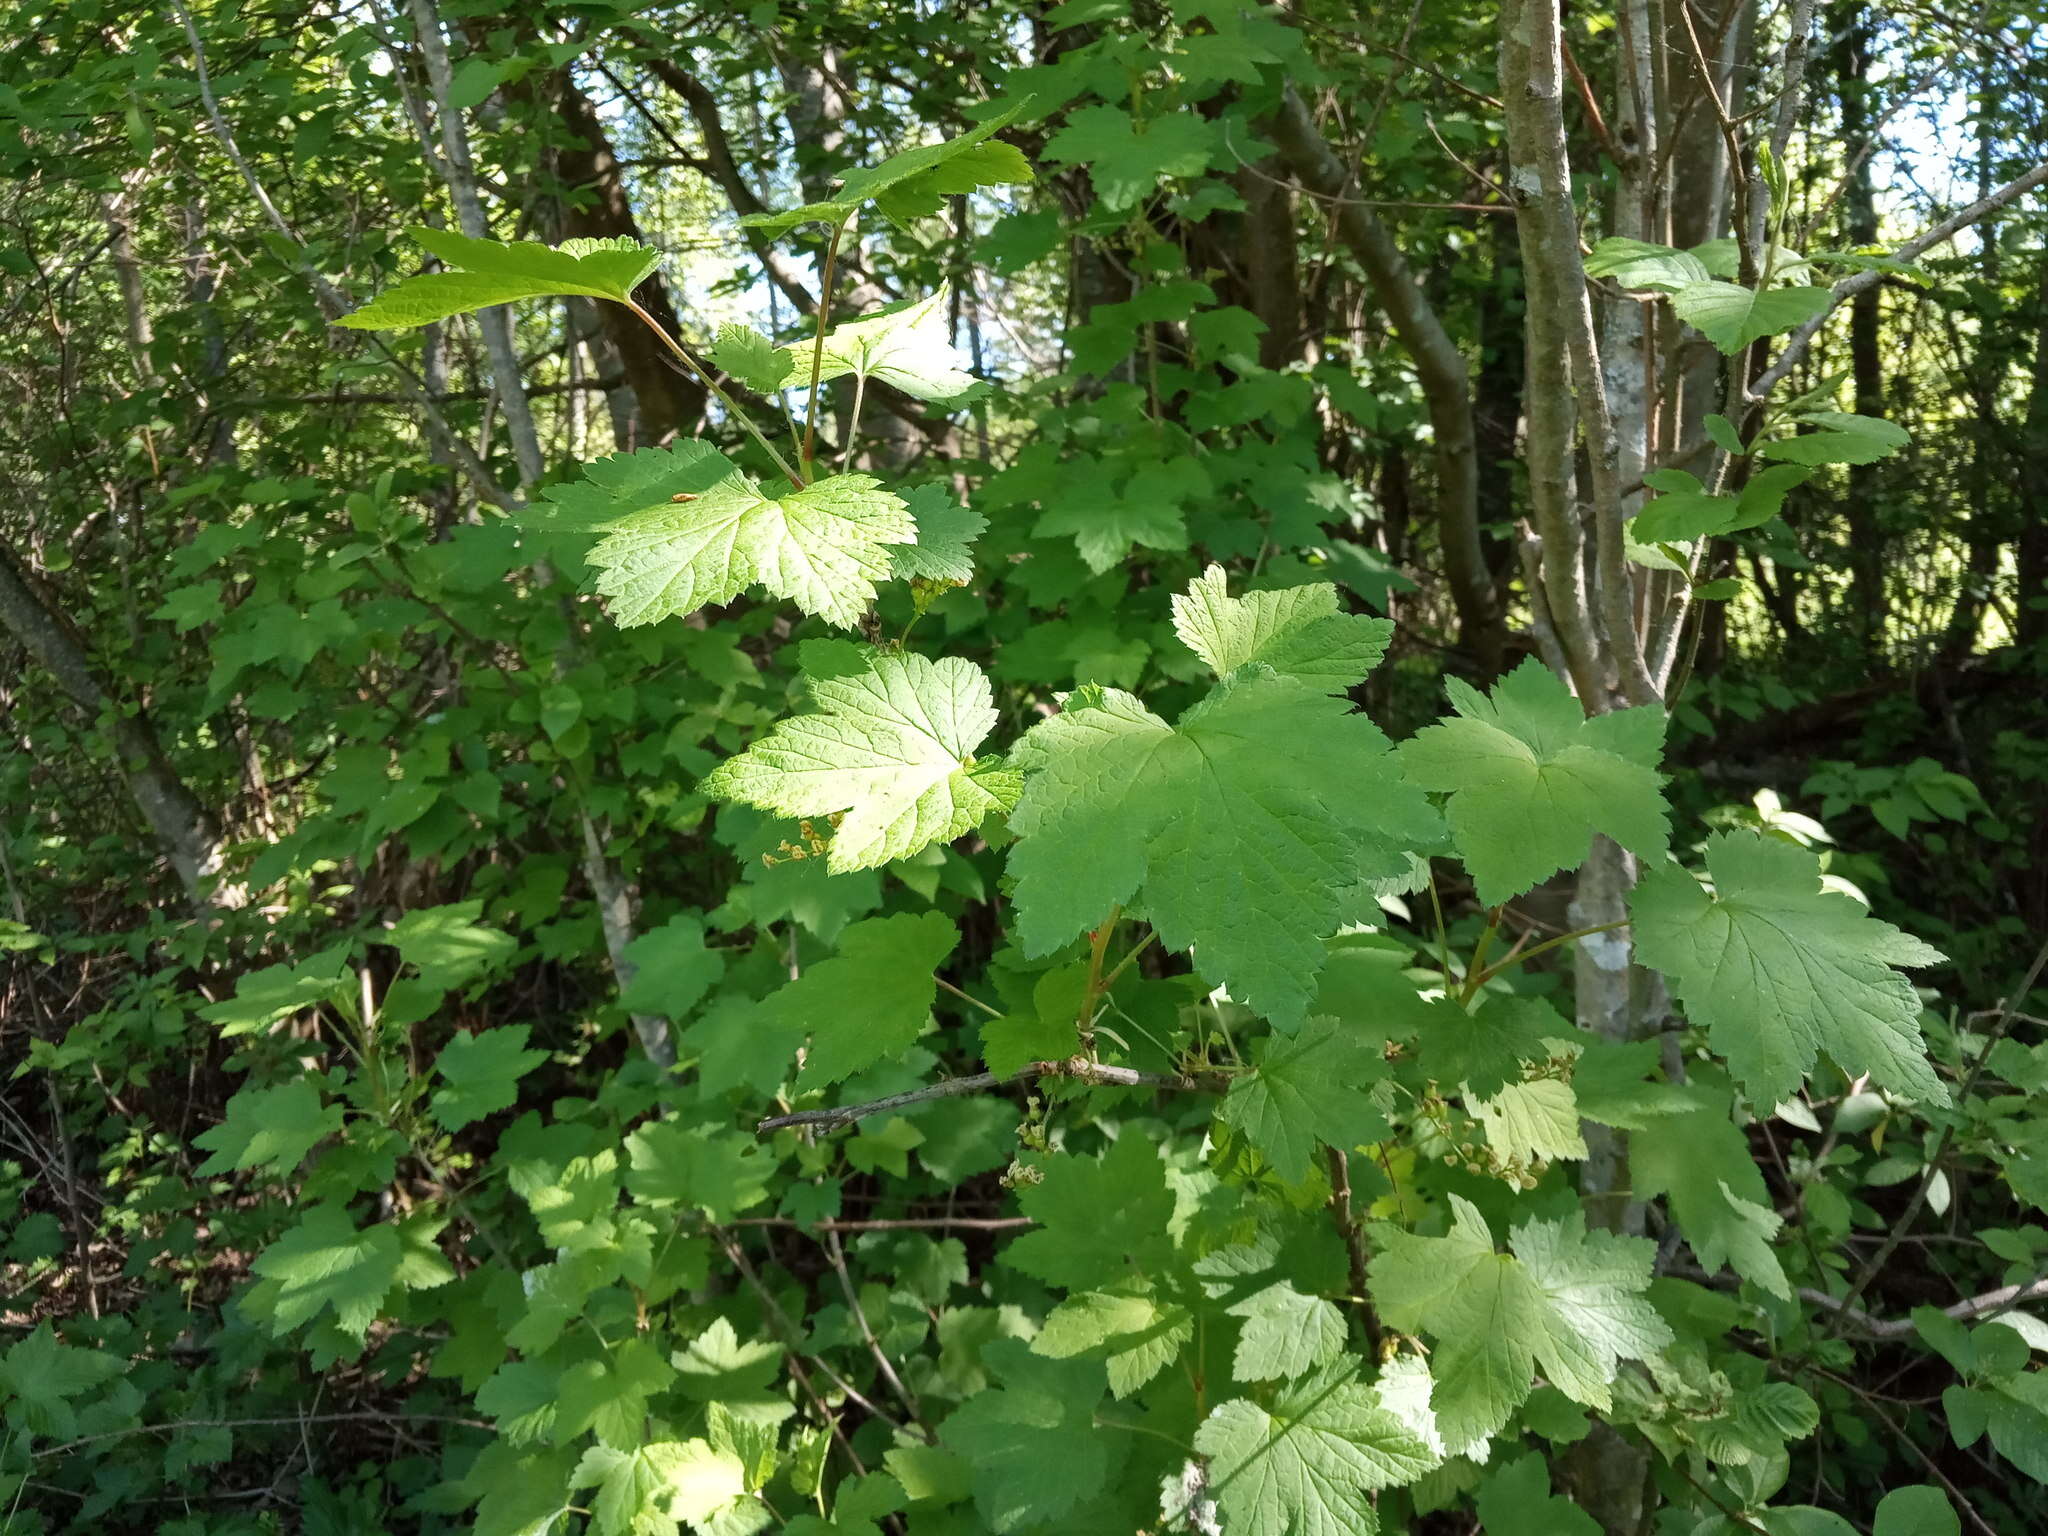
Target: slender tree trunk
613 895
669 401
186 831
1867 563
1441 367
2031 547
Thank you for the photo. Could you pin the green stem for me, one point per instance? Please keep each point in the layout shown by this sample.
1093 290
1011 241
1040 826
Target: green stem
1128 960
1098 945
1443 938
731 406
967 997
818 347
860 389
1548 944
1475 972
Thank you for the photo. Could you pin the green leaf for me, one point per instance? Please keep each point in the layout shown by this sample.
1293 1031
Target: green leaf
644 1492
1102 1221
610 1393
264 996
1225 844
1565 1299
1639 264
751 358
1036 1452
1684 513
1307 1465
1764 496
823 547
1308 1088
1531 1123
1531 779
269 1128
909 185
1517 1501
892 747
672 968
1723 432
1843 439
1916 1510
1298 632
42 1375
946 531
480 1074
1284 1333
448 945
623 483
870 1000
491 272
906 345
1702 1163
1139 1334
1481 1052
1779 970
326 1262
1127 159
704 1167
1104 530
1731 316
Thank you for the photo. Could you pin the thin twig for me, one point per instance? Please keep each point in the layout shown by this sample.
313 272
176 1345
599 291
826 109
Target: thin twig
818 346
967 997
837 1254
1795 348
2007 1009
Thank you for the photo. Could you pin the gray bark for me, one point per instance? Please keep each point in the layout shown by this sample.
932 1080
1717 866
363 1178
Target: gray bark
188 835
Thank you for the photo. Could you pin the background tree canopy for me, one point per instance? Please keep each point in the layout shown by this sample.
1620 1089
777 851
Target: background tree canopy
1140 765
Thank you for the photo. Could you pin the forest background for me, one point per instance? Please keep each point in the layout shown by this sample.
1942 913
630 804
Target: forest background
390 992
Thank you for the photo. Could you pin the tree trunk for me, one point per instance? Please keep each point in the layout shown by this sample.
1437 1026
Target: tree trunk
188 834
1441 367
597 208
1867 563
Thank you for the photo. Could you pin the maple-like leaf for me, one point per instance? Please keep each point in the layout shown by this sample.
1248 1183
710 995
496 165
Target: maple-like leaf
1137 1332
911 185
1284 1333
823 547
269 1128
946 531
480 1074
1297 631
907 345
1308 1464
1126 159
1531 778
1779 970
891 746
1701 1162
868 1001
646 1490
326 1261
1102 1221
1308 1088
1235 832
41 1375
1032 1441
491 272
1565 1298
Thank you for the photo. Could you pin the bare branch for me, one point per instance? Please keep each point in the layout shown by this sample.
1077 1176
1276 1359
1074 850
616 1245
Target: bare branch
1856 282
